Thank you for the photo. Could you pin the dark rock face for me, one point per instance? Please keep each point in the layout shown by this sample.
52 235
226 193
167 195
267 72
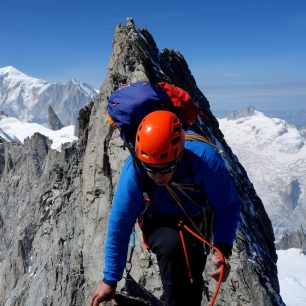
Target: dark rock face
54 123
54 205
41 228
291 193
293 240
242 113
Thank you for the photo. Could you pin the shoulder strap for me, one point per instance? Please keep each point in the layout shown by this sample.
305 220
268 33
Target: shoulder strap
191 136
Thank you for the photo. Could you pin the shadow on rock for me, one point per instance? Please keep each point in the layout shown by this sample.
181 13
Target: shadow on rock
135 294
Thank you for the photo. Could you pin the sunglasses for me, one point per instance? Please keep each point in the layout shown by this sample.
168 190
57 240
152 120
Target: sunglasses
164 170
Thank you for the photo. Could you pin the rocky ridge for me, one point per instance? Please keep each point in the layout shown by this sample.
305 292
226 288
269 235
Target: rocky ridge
54 205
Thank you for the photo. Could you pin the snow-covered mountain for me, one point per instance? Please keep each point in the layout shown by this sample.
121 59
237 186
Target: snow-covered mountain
12 129
274 156
28 98
297 118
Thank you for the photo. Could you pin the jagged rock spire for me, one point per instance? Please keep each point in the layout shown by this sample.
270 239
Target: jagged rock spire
242 113
293 240
136 57
54 122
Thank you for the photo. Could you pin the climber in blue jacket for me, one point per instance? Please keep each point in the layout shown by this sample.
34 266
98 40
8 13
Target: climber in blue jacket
167 158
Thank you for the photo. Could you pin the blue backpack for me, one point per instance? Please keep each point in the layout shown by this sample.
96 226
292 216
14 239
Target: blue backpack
128 105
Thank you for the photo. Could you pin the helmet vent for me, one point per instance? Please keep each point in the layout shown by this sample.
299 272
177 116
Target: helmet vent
175 140
177 129
144 153
164 155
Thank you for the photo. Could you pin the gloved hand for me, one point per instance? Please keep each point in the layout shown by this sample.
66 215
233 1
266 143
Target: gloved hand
217 262
103 292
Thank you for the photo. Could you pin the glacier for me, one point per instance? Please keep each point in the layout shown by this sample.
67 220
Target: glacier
273 153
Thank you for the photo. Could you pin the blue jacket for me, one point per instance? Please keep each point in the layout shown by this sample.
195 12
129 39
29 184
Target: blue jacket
208 171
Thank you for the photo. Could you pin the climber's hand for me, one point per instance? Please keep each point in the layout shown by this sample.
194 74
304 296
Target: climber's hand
217 262
103 292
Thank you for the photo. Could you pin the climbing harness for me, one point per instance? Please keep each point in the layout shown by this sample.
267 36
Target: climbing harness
199 235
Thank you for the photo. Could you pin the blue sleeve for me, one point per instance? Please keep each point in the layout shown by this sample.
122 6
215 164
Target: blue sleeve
126 207
222 194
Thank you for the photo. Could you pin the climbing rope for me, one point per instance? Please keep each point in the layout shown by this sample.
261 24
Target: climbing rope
199 235
216 250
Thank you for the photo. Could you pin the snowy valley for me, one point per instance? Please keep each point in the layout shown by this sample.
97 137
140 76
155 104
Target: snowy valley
12 129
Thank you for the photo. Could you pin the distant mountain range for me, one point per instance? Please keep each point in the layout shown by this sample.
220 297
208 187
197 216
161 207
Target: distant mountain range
274 156
295 117
28 98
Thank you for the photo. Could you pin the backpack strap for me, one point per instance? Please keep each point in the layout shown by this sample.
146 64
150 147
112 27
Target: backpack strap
192 136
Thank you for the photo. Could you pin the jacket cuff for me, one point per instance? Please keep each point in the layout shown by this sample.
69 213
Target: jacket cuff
110 283
226 249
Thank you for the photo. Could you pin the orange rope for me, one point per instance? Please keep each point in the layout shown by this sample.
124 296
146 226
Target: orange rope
201 237
185 252
221 256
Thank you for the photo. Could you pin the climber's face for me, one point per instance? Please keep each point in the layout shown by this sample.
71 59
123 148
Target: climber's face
161 174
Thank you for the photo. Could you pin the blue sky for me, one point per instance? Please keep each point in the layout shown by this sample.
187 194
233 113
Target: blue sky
239 51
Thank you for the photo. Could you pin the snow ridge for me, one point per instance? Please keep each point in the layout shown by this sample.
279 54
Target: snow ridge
12 129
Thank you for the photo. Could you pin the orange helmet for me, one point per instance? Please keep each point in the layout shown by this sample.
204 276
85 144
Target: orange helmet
160 138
